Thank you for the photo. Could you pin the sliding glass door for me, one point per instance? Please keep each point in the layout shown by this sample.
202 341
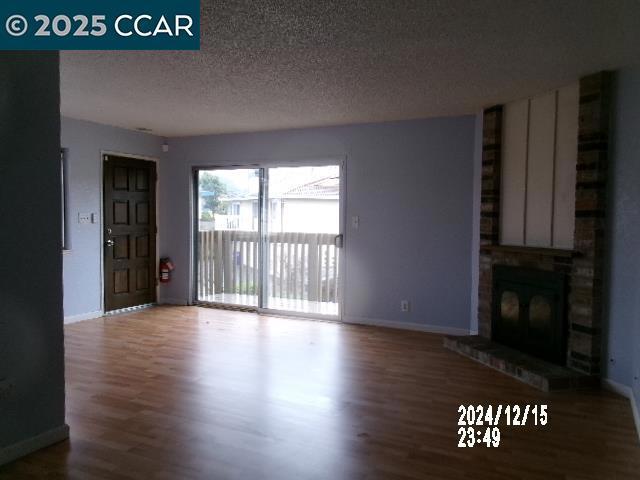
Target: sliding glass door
270 238
302 237
228 236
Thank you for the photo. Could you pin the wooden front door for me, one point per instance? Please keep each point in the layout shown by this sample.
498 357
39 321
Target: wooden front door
129 232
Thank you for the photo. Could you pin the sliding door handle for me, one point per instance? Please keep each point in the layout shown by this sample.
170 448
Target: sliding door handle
338 241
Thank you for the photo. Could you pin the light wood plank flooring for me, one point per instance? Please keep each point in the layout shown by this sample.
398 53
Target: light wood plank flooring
186 392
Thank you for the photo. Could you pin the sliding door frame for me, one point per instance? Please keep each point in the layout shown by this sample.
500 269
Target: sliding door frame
262 232
195 219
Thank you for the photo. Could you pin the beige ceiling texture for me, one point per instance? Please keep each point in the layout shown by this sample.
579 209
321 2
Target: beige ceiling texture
267 64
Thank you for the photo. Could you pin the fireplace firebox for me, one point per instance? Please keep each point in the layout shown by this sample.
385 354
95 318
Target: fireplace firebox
529 311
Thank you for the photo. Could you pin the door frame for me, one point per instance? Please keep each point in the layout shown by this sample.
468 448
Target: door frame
340 161
156 160
193 241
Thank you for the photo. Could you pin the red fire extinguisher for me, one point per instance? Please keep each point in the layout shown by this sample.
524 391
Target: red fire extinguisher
166 266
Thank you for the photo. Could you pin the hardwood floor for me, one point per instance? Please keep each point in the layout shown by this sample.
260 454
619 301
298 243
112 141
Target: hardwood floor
186 392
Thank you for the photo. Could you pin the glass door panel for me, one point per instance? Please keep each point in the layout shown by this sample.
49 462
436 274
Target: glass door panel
302 209
228 239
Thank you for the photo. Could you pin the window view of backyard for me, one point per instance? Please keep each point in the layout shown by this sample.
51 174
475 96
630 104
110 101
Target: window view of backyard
300 218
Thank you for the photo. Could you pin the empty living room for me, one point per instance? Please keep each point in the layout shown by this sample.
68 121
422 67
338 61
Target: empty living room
321 239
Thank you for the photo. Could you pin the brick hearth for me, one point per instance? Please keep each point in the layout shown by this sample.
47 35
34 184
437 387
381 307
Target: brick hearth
539 374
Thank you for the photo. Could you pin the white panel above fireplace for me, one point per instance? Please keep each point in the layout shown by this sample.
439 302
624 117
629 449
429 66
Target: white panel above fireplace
514 171
539 154
539 204
565 166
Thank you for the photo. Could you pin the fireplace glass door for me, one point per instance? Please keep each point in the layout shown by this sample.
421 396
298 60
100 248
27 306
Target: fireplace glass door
529 312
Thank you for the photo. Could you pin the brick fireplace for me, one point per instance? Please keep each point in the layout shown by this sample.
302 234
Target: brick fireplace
582 265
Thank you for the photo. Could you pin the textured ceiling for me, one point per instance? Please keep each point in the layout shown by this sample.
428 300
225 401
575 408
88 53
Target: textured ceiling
268 64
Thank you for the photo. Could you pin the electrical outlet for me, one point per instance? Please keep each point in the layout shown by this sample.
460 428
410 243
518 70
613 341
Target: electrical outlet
404 305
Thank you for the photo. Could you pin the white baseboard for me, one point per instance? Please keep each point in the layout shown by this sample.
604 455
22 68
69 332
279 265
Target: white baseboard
30 445
83 316
616 387
407 326
627 392
173 301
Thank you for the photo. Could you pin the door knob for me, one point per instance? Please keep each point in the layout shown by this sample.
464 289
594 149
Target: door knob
110 243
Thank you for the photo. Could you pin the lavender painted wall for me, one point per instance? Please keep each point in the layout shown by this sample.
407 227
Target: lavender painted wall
411 184
623 310
84 142
475 239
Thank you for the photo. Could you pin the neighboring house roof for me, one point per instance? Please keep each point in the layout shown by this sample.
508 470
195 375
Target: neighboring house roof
239 198
230 198
324 188
327 188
